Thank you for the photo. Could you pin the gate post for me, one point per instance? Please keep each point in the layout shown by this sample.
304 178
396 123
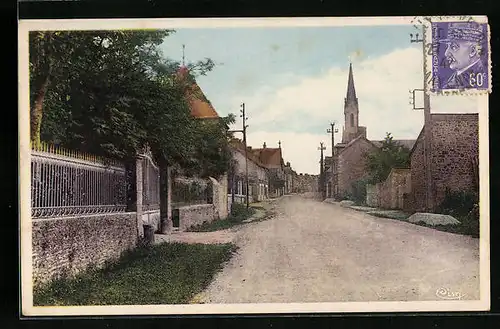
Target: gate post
138 190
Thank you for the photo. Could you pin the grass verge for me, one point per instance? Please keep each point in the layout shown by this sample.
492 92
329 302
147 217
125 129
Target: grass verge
467 226
168 273
239 213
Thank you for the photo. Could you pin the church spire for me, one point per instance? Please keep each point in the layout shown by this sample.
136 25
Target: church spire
351 91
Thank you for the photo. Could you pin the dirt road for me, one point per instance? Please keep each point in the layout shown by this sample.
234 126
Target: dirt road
319 252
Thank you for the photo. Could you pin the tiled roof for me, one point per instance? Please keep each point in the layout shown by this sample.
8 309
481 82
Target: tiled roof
198 103
269 156
239 146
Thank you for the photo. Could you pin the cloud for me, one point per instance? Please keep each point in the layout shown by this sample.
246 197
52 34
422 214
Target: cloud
299 110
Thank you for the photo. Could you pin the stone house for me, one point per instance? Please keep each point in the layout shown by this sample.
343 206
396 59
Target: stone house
272 159
258 184
454 160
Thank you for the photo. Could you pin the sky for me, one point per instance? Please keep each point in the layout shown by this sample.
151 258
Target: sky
293 82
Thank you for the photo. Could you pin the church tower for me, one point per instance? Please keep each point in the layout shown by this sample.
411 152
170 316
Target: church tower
351 112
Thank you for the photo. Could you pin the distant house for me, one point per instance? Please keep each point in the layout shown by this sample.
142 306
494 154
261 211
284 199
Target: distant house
454 160
258 184
273 160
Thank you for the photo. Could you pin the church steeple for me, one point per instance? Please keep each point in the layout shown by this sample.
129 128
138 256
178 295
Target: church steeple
351 112
351 91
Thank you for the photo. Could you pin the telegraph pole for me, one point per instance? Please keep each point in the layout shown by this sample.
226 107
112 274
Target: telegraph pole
245 126
244 131
332 131
321 171
427 128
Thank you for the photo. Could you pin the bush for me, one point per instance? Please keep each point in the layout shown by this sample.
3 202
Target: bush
463 205
239 211
460 204
358 194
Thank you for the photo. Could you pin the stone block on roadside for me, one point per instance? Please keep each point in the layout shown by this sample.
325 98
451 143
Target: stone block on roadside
433 219
346 203
329 200
362 208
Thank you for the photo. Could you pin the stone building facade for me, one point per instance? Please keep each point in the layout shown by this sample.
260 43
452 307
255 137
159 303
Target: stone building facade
258 184
351 162
454 159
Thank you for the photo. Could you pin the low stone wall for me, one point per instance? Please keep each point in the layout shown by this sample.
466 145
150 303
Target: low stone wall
68 245
372 195
390 193
194 215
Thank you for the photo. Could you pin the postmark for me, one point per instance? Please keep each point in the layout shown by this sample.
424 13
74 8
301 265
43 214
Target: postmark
457 55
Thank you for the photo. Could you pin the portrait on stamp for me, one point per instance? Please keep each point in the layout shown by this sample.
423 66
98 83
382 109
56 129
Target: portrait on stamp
460 55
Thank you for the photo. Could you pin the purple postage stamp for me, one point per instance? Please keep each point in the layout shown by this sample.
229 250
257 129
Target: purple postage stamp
460 55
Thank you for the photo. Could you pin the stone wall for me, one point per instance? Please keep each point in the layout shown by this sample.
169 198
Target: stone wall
372 195
67 245
416 199
194 215
393 188
219 190
390 193
352 164
454 150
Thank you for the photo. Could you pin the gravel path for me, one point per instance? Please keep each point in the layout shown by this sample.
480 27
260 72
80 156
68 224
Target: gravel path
320 252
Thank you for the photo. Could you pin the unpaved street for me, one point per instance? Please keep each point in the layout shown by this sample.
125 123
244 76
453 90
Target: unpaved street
320 252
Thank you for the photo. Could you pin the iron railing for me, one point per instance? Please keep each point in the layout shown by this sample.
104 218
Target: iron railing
67 183
190 192
150 184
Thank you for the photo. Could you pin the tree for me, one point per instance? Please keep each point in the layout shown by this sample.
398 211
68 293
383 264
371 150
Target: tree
390 155
68 64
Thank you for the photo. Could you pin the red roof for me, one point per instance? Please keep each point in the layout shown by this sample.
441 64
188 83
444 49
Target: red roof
198 103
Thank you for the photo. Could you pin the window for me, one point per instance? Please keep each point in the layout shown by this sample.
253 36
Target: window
352 120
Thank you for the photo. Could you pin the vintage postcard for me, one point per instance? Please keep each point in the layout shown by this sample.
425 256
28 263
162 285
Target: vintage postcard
270 165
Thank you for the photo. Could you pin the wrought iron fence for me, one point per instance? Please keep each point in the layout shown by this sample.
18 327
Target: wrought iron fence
150 184
65 182
190 192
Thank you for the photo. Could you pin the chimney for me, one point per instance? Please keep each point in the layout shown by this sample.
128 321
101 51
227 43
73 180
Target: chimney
264 145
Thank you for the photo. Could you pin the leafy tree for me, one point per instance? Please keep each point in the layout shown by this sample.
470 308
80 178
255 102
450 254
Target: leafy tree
390 155
76 68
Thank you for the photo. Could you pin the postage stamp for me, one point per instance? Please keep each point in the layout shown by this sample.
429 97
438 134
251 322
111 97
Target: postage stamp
264 165
459 56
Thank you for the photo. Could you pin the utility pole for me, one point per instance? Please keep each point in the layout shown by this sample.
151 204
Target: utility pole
332 130
245 126
427 129
321 171
244 131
